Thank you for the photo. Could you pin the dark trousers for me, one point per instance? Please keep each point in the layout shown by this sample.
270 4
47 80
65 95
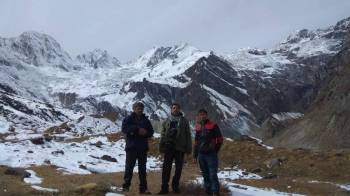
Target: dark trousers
131 157
209 164
169 157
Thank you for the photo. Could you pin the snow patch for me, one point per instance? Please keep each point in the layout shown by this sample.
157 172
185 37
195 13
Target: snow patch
233 174
4 125
39 188
260 142
228 106
113 194
33 179
244 190
342 186
228 175
287 116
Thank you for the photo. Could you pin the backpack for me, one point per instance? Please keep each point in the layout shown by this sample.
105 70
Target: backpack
171 134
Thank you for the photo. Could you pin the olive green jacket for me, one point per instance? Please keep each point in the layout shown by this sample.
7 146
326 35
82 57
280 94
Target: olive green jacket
183 140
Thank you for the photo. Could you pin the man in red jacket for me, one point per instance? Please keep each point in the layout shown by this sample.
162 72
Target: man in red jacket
208 140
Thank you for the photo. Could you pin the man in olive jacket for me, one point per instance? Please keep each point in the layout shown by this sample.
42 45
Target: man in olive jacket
175 141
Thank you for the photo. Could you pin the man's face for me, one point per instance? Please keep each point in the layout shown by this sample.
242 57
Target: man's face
138 110
175 109
202 116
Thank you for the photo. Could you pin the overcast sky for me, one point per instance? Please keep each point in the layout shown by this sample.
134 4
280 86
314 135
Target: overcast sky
128 28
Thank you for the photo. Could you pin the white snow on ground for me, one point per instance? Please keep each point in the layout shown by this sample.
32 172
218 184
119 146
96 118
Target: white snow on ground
4 125
228 175
85 126
287 116
233 174
260 142
33 178
343 186
70 157
113 194
22 135
40 116
243 190
89 125
39 188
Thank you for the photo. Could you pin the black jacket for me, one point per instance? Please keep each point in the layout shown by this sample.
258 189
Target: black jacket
131 126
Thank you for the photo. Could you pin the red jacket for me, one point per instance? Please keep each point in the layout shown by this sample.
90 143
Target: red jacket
208 138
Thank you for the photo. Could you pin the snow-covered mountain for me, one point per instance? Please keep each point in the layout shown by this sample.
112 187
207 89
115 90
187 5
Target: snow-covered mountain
97 58
33 48
240 89
164 64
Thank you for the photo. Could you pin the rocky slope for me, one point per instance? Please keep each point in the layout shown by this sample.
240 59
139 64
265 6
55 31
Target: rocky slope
325 124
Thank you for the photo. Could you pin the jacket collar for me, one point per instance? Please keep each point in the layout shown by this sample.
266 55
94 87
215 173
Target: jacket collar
204 122
180 114
133 115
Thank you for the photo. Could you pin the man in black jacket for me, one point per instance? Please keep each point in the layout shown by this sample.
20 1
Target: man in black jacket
138 130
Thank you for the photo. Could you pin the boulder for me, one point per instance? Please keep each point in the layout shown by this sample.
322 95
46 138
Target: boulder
37 141
17 172
108 158
272 163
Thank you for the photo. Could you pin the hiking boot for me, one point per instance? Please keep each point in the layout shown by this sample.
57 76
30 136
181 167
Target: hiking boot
125 189
145 192
164 189
176 190
163 192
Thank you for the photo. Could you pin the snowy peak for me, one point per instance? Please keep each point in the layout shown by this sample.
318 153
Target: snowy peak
166 65
35 48
343 25
337 31
97 58
171 53
39 39
300 35
308 43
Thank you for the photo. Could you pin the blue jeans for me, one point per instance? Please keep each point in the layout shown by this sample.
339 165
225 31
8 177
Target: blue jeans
209 164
